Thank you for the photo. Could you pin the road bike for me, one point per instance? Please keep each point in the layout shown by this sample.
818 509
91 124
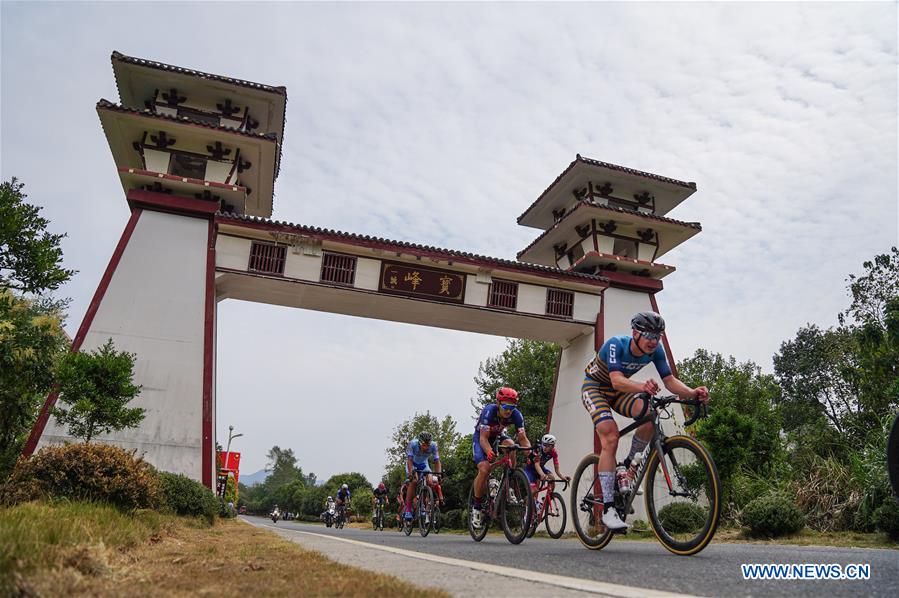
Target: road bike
340 520
424 503
508 499
550 509
682 490
378 518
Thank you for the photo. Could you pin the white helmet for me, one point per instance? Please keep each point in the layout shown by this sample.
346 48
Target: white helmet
330 499
345 487
548 440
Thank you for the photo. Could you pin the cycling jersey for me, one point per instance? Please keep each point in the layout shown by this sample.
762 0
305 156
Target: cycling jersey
343 494
615 356
380 494
538 454
491 420
419 457
598 394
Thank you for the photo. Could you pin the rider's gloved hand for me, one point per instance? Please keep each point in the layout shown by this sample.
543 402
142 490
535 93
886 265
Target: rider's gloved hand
490 455
650 387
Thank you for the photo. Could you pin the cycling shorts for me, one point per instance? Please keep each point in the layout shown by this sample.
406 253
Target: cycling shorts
531 473
479 454
421 467
599 400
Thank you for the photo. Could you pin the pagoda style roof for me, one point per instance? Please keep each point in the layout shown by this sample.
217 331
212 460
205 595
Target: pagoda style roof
107 105
415 248
592 209
670 191
125 126
119 57
138 78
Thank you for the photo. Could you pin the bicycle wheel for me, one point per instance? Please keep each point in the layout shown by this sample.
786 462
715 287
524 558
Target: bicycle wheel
556 516
683 495
425 504
516 507
586 504
436 519
477 534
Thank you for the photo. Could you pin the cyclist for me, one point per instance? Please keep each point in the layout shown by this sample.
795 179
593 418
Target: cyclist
607 386
419 451
539 457
380 495
401 502
343 495
490 429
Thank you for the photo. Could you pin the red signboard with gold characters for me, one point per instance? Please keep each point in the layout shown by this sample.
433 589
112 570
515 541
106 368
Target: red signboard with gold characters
422 281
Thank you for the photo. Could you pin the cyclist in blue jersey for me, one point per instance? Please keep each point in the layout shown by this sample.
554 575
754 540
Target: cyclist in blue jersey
343 495
490 430
418 454
607 386
545 452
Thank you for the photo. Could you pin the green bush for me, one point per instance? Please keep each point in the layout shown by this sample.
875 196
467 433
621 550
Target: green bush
886 518
772 515
184 496
92 472
453 519
682 517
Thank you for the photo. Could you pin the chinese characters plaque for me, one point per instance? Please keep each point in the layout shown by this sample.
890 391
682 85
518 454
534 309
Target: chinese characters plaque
424 282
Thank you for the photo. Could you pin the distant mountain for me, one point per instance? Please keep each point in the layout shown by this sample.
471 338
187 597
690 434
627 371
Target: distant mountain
254 478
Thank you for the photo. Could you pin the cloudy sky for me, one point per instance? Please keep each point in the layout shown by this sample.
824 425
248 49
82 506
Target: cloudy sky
440 124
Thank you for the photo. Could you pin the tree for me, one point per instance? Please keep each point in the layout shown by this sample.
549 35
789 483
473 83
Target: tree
527 366
811 370
30 257
31 342
94 389
443 432
743 388
872 291
283 465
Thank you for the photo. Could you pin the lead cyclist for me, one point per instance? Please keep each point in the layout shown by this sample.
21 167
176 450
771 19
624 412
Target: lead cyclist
607 386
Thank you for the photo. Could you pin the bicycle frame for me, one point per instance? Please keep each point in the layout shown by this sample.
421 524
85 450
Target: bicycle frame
508 466
651 413
548 486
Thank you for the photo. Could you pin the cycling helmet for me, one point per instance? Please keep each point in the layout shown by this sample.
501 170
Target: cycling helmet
649 323
345 487
330 498
548 440
507 395
381 486
425 437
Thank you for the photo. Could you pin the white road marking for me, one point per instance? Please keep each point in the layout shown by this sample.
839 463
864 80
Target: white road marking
573 583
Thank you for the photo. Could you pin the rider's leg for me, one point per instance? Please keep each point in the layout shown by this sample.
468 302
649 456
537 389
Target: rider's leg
633 406
607 430
480 483
410 493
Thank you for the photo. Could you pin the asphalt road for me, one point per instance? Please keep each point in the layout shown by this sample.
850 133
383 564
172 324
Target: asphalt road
715 571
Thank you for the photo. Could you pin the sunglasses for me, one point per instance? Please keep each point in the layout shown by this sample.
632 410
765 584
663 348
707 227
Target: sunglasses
650 336
505 407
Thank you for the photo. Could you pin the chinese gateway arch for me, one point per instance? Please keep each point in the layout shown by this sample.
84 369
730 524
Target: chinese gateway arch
198 155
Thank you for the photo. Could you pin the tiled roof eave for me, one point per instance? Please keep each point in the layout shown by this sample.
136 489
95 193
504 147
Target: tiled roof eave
448 253
592 162
592 204
107 105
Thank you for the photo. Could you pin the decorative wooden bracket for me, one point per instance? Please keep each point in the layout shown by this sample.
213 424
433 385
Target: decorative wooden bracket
252 124
580 194
162 140
243 165
227 109
644 197
172 98
207 195
560 249
157 187
583 230
557 214
217 151
646 235
605 190
608 227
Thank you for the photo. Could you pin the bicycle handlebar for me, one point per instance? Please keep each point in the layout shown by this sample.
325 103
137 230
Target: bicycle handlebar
700 411
553 480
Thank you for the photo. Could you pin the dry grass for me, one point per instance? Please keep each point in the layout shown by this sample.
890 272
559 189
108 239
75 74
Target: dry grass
183 558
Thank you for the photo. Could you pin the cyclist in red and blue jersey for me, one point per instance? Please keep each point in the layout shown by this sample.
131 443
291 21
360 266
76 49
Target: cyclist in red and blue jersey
607 386
418 453
490 430
538 458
